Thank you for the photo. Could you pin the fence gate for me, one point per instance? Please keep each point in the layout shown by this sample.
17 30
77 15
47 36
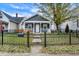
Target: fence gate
36 38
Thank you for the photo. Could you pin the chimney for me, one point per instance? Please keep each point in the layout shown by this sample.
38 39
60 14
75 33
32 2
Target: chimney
16 15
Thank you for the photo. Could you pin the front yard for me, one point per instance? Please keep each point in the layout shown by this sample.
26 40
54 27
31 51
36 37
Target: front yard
14 49
59 44
13 44
56 44
62 49
60 39
14 39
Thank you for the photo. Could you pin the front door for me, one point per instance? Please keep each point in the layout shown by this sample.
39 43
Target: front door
37 28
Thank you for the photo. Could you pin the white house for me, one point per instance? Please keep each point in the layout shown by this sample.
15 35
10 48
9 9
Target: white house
10 23
36 24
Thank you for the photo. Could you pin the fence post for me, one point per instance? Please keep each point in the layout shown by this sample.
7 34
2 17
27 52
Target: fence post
76 34
2 36
70 38
45 39
28 39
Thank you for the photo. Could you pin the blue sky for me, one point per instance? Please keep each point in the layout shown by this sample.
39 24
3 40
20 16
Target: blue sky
23 9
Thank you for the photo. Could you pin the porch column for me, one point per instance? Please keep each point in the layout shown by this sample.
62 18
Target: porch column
50 27
40 27
33 27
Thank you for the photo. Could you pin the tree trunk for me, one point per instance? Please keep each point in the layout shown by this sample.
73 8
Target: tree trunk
57 28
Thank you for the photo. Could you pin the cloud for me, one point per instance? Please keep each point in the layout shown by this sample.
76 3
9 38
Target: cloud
21 6
25 7
24 10
14 6
19 14
34 10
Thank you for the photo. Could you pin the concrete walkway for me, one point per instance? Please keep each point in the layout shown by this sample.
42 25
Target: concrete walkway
36 48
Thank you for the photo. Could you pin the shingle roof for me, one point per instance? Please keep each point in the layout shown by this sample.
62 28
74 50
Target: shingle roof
18 20
13 19
36 18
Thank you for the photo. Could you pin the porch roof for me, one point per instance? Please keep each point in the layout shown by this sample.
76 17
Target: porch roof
37 18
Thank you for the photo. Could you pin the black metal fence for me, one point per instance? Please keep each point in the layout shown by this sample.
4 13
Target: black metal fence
59 39
15 39
56 39
46 38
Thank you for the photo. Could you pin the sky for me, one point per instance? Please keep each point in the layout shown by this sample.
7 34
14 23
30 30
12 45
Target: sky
23 9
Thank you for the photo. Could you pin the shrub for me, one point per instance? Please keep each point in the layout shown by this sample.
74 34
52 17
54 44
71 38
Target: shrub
67 28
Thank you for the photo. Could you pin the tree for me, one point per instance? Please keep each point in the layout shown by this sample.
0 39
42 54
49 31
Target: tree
58 12
67 28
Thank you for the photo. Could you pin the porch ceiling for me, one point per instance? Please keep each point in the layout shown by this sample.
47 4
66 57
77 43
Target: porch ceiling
37 21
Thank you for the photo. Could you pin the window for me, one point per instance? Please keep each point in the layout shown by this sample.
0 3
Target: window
45 27
0 16
28 26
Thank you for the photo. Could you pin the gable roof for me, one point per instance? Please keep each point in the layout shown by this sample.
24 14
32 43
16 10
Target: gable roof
13 19
37 18
18 20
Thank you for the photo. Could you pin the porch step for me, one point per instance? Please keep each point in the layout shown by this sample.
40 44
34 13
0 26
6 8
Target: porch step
36 40
36 36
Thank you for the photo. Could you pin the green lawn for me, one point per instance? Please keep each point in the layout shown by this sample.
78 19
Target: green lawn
60 39
13 43
58 44
14 39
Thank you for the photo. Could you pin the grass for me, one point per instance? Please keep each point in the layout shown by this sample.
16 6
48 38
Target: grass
63 49
13 44
14 49
58 44
14 39
54 39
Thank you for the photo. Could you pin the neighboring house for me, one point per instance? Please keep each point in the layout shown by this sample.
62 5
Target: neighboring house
72 25
10 23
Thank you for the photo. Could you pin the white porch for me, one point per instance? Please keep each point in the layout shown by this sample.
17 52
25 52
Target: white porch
37 26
